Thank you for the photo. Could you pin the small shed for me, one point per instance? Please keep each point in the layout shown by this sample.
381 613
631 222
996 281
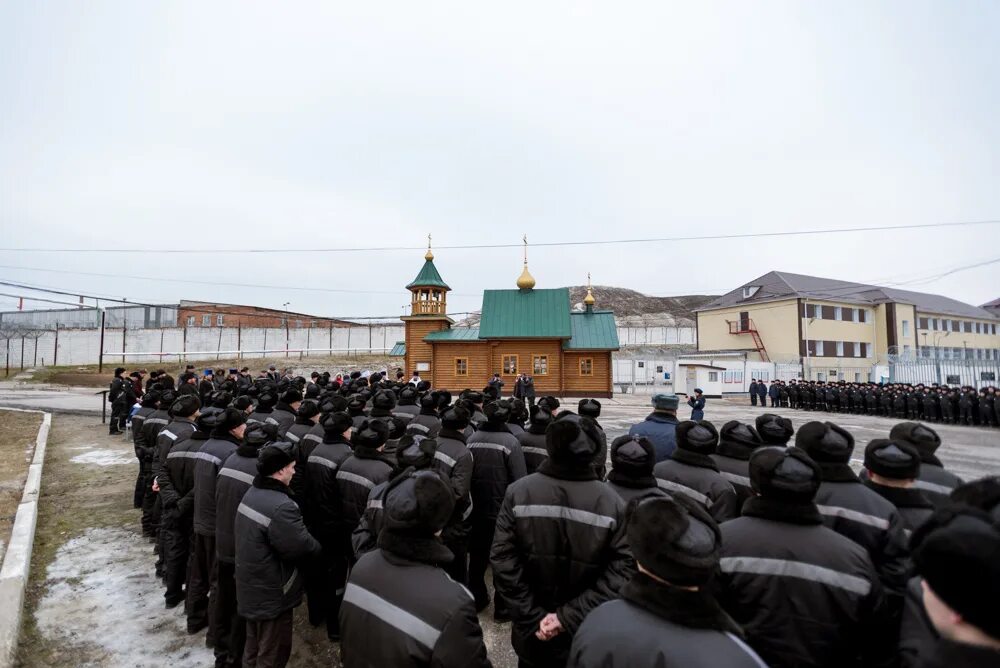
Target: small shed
690 375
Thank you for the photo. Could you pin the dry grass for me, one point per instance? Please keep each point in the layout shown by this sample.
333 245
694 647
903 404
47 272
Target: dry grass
18 432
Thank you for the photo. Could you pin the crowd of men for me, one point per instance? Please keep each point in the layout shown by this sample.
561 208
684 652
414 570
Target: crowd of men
928 403
383 503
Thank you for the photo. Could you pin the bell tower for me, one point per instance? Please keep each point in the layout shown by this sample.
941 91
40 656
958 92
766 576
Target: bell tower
428 313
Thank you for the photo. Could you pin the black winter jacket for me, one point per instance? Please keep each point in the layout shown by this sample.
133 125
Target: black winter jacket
855 511
206 472
697 477
665 626
560 547
429 420
917 634
271 543
284 417
453 460
356 478
138 435
401 609
733 460
913 506
180 429
935 481
297 434
804 594
497 462
532 442
235 478
323 506
176 478
154 423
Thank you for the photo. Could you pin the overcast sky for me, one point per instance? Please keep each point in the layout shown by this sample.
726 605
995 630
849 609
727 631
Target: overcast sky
335 124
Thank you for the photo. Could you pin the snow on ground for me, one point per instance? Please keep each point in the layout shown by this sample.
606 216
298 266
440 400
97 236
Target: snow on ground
104 458
101 591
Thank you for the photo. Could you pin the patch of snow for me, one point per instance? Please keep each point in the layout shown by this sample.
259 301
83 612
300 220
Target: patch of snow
104 458
101 591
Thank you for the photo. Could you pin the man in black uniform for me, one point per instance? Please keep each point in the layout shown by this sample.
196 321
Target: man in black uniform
666 611
753 391
121 396
804 594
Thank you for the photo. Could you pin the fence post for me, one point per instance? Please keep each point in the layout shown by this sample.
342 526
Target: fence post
239 340
161 346
124 330
55 348
100 353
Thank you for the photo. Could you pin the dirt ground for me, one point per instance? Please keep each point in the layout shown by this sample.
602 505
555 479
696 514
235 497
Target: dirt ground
93 598
18 432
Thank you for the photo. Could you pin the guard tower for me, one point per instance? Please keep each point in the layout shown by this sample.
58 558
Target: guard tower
428 313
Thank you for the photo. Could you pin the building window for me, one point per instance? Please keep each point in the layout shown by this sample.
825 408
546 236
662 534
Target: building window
298 324
284 322
461 366
587 366
218 320
906 328
713 376
840 348
750 290
206 321
817 312
510 365
857 349
838 313
819 348
190 321
540 365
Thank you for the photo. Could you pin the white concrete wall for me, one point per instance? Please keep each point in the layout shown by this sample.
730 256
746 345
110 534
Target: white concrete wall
82 346
640 336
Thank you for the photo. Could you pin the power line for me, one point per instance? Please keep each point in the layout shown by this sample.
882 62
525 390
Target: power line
256 286
196 309
593 242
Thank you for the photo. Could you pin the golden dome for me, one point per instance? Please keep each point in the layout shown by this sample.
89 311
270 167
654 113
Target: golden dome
589 299
525 281
428 255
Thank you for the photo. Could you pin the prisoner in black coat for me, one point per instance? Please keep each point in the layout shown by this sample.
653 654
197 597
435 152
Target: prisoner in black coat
691 471
560 548
400 608
737 441
934 480
804 594
632 462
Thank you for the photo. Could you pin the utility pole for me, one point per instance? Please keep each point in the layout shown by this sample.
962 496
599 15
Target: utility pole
286 327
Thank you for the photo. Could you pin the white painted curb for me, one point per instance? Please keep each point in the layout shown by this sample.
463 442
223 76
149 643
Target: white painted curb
17 560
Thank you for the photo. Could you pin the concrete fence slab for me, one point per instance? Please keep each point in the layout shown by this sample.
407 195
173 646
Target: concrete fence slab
17 560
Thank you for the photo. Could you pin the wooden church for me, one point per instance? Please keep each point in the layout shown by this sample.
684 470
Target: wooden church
531 330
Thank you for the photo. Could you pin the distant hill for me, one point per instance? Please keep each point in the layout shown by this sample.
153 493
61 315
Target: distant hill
634 308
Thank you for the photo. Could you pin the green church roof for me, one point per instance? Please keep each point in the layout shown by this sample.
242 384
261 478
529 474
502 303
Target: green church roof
521 314
398 350
428 278
595 330
454 334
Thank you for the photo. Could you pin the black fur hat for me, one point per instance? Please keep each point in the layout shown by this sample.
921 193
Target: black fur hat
242 403
429 402
408 396
260 434
674 540
825 442
417 503
633 456
539 416
738 433
897 460
415 450
228 419
784 474
497 412
336 423
548 403
185 405
455 418
356 404
397 427
275 456
308 408
920 436
957 551
221 398
292 395
774 429
384 400
572 441
371 434
700 437
590 408
332 403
